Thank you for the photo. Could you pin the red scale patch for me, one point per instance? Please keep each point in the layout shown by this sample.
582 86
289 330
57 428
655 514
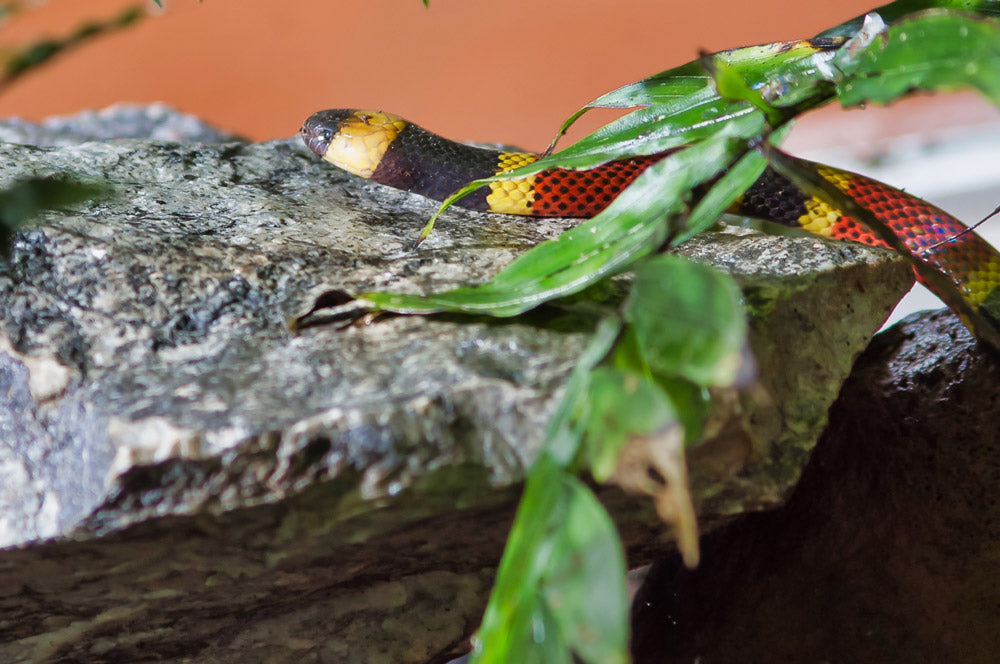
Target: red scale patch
565 193
920 226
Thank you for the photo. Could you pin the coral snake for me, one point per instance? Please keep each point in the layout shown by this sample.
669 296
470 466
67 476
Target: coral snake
394 152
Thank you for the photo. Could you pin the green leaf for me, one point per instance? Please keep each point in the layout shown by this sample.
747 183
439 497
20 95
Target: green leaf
682 105
722 194
622 404
584 585
688 320
731 85
506 629
560 585
543 641
26 199
934 50
564 431
634 225
894 11
689 400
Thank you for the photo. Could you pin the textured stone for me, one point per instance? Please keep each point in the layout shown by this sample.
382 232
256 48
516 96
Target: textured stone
888 549
183 476
156 122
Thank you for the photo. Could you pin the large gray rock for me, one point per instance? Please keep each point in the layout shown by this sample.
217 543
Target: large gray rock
180 475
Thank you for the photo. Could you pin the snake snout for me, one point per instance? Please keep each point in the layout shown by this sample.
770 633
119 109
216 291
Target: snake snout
316 134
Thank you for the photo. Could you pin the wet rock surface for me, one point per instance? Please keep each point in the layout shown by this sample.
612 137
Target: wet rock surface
179 475
888 549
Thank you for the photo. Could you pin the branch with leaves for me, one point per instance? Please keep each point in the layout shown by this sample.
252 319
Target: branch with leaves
16 61
636 396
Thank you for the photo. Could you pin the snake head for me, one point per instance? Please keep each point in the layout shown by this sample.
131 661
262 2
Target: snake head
320 128
352 140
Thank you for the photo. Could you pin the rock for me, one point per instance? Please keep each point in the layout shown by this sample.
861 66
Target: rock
888 549
180 475
156 122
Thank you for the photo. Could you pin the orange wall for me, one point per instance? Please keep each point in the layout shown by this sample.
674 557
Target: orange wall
505 70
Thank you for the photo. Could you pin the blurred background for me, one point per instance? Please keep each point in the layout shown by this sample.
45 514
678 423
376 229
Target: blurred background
477 70
474 69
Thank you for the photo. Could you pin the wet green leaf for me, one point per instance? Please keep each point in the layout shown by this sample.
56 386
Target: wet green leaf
894 11
689 400
688 320
507 623
933 50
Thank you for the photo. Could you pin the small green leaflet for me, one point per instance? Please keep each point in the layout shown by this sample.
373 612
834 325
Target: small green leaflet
621 404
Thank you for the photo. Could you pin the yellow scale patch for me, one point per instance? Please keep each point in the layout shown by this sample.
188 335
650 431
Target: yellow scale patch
975 285
820 216
362 140
512 196
980 283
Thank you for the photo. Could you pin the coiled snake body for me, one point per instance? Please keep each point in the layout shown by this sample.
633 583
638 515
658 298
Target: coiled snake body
391 151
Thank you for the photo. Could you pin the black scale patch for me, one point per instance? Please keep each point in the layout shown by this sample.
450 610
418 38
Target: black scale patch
774 198
426 164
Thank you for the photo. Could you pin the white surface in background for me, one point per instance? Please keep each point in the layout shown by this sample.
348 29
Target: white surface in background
957 169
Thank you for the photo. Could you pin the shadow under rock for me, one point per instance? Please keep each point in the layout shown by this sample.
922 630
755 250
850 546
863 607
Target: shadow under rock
888 549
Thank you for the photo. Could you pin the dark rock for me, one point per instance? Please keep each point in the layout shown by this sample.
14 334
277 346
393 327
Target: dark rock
179 475
889 548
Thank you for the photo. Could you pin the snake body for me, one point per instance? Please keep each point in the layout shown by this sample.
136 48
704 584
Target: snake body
389 150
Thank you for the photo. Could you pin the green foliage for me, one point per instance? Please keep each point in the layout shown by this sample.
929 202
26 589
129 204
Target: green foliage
621 403
681 328
635 224
934 50
605 409
539 610
893 12
688 320
26 199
